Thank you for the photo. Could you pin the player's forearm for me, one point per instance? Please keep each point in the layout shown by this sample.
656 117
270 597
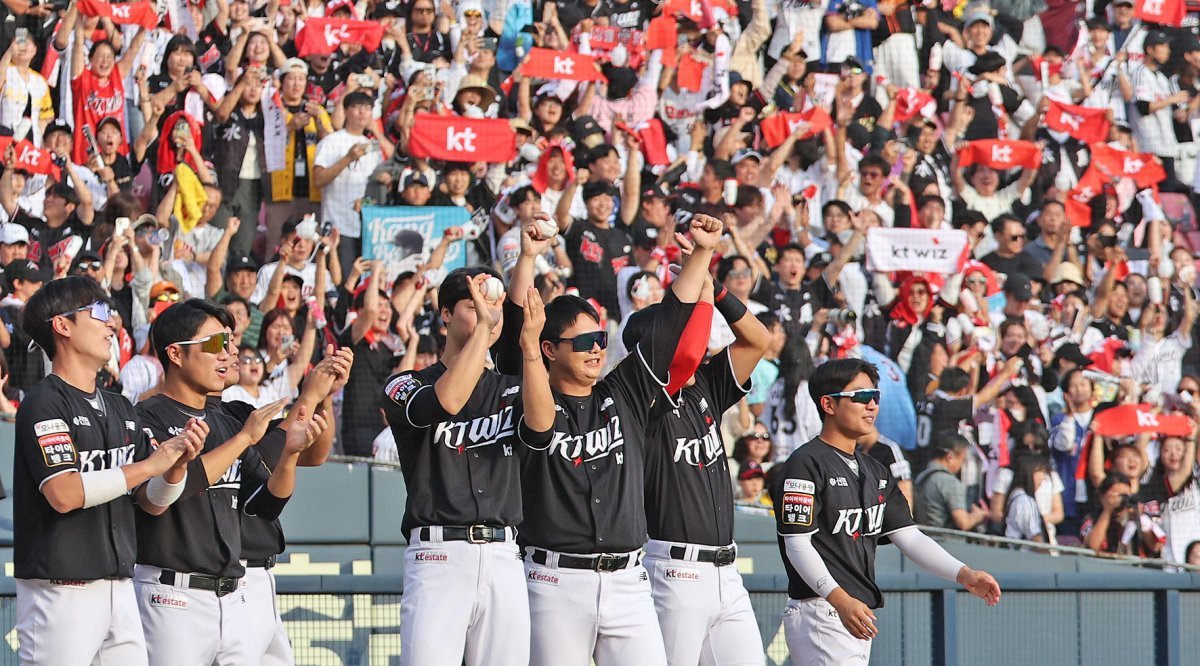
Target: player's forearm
808 563
219 460
454 388
926 553
691 279
282 482
316 454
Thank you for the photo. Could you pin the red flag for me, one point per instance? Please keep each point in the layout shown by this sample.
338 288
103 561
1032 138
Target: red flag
1136 419
913 101
459 139
30 158
322 36
562 65
698 11
1079 213
1144 168
780 126
690 73
1163 12
1051 68
663 34
654 142
134 13
1084 123
1000 154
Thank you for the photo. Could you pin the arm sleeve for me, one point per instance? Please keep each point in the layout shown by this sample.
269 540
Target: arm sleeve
926 553
507 350
808 563
658 348
691 349
412 402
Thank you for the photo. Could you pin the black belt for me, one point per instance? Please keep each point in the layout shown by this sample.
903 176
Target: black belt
222 586
606 562
268 563
721 557
472 534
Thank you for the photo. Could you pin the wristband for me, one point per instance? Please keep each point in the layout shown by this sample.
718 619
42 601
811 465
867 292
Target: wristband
103 486
161 493
732 309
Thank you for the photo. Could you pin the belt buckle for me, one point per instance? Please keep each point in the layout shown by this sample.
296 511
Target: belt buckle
605 562
725 556
471 534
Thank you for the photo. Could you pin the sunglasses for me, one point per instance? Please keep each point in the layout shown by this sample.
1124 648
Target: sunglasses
250 360
170 297
472 13
976 280
760 435
852 70
99 311
585 341
861 396
423 10
213 344
85 266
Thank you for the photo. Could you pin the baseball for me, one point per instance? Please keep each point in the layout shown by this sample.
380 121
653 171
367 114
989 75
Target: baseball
493 289
547 227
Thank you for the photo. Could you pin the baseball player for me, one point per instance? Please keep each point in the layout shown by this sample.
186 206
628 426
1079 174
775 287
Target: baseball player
74 467
188 571
455 428
589 596
262 539
703 609
832 504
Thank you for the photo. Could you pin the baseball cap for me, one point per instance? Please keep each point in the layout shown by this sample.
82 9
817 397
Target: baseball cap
295 63
746 154
241 263
1123 2
643 235
988 62
58 125
162 287
1156 37
977 15
1071 352
820 260
108 120
598 188
144 219
13 233
852 63
415 179
751 470
655 192
1019 286
26 270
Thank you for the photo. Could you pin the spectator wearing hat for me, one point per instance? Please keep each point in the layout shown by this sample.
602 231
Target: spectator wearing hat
14 245
291 192
598 249
976 40
67 212
604 168
1124 26
59 138
26 106
999 109
472 23
1158 104
414 190
751 490
940 496
1067 279
784 83
239 281
471 77
344 163
26 366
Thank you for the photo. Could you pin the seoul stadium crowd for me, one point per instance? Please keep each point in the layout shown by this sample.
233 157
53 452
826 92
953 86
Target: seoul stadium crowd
994 203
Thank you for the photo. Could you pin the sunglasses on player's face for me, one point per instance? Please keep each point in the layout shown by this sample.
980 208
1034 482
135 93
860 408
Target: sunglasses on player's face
98 310
861 396
585 341
213 344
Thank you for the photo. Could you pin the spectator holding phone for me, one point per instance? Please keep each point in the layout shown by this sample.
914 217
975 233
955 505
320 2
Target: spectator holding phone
291 193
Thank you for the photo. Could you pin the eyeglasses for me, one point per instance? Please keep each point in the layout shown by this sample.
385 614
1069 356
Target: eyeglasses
99 311
861 396
585 341
169 297
760 435
745 273
84 266
213 344
852 70
250 360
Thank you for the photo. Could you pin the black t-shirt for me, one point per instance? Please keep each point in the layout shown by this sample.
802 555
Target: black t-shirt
629 14
688 495
1019 263
430 47
816 491
938 417
26 366
570 13
261 538
202 531
373 363
597 254
794 307
460 469
211 49
592 463
60 431
43 237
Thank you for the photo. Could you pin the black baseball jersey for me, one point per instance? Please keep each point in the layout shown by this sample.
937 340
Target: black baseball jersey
689 498
818 491
59 431
461 469
261 537
584 480
202 531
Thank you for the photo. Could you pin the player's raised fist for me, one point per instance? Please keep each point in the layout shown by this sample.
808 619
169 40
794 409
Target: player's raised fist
706 231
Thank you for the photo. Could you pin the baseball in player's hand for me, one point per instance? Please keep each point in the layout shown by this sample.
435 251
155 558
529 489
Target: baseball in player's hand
980 584
260 419
706 231
854 614
537 236
486 314
535 319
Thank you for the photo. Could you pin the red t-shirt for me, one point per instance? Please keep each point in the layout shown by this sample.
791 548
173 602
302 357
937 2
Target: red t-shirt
94 102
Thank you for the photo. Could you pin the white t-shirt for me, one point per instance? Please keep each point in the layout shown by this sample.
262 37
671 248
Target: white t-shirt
339 196
790 434
308 274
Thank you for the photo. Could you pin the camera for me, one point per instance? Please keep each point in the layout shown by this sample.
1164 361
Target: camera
842 317
1127 502
1107 240
366 81
853 9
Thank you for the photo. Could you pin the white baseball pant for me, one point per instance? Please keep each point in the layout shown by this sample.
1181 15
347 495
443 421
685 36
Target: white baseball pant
266 638
579 615
188 626
65 623
815 636
703 610
463 600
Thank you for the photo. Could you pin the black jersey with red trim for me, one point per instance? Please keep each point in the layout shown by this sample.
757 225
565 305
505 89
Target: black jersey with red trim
59 431
847 504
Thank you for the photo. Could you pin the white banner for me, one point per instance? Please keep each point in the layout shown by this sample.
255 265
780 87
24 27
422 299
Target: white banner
275 132
924 250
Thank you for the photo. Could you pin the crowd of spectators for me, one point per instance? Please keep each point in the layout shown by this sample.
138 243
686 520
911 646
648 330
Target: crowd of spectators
137 155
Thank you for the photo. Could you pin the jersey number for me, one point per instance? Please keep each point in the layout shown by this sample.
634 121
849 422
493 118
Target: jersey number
924 430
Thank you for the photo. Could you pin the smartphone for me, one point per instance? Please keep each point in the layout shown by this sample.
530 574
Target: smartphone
365 81
488 43
287 342
21 35
181 130
120 226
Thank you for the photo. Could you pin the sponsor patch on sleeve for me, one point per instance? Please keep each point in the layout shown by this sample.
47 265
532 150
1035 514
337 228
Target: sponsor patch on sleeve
799 486
797 509
57 449
400 389
50 427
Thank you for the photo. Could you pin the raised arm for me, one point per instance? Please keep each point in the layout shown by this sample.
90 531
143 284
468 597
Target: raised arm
455 386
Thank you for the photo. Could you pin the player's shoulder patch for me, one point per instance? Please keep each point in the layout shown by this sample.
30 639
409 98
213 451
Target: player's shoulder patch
799 485
402 387
50 427
797 509
58 449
